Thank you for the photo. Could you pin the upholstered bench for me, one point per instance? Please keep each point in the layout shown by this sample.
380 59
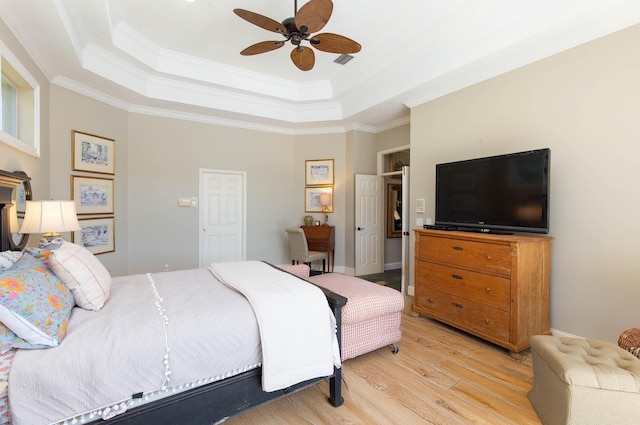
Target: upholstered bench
584 382
371 317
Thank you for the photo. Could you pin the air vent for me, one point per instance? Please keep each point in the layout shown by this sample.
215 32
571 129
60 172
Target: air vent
343 59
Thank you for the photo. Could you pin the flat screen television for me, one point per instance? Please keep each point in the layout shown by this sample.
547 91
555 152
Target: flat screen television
497 194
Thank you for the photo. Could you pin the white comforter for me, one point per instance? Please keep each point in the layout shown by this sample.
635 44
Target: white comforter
297 327
173 330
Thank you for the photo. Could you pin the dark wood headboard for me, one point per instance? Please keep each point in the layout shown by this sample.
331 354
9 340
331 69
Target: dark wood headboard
9 182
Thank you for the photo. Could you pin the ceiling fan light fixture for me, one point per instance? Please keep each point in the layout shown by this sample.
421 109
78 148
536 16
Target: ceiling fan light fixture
343 59
311 17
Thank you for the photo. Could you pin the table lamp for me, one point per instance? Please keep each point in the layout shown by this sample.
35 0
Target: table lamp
325 201
50 218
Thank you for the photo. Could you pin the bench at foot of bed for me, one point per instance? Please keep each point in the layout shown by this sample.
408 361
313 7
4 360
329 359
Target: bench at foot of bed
371 318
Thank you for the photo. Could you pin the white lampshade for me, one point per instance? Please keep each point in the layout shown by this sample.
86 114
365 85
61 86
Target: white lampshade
13 219
50 217
325 199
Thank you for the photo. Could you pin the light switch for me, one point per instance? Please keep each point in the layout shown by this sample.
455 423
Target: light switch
419 222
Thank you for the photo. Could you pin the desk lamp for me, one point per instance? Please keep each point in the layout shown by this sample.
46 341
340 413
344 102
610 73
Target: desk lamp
325 201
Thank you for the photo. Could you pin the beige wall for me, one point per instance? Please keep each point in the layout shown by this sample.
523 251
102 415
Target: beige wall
584 104
71 111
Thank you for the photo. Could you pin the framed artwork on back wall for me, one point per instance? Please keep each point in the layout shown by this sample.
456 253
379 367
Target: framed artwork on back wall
319 172
92 195
93 153
96 234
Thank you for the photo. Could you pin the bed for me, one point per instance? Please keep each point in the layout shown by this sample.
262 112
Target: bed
179 315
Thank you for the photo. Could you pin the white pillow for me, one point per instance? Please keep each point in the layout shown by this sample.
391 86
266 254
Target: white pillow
86 277
7 258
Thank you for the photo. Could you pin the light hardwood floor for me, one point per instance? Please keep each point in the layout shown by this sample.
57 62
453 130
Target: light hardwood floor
440 376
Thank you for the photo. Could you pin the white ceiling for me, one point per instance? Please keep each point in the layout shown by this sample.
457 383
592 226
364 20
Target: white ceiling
181 59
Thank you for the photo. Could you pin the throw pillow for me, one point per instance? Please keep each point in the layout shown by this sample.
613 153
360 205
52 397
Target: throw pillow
34 304
83 273
7 258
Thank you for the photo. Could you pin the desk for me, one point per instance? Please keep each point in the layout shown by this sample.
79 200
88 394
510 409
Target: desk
323 239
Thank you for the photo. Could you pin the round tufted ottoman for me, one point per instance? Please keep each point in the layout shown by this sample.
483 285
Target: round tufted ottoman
584 382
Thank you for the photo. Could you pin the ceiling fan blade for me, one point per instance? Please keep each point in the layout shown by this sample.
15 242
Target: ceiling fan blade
261 21
313 16
334 43
262 47
303 58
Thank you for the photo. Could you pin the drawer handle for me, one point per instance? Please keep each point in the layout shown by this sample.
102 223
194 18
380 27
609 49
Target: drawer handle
487 290
456 305
458 248
487 321
457 276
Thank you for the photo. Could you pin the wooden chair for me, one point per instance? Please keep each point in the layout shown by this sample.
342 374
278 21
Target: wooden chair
300 250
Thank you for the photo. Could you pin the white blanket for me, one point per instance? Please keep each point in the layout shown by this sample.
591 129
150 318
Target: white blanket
297 328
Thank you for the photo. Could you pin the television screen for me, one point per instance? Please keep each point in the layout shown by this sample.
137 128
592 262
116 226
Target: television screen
500 193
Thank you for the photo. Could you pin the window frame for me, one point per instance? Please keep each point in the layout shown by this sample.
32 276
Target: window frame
28 139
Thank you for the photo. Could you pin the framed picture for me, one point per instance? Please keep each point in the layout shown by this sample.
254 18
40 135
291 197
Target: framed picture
312 199
92 195
96 234
93 153
318 172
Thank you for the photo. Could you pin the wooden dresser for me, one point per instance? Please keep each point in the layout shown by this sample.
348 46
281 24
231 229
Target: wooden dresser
323 239
493 286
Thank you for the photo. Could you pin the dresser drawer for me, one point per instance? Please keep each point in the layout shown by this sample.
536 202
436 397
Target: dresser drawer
483 257
490 323
491 290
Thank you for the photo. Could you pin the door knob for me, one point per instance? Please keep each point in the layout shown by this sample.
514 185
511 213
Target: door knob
204 230
360 228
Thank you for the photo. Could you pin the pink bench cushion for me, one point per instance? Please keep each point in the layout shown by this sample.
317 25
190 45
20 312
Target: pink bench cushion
366 299
371 318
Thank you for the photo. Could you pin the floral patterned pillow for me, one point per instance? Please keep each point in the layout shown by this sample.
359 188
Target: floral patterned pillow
41 254
34 304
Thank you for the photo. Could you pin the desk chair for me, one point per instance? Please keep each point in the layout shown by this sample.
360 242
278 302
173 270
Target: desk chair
300 250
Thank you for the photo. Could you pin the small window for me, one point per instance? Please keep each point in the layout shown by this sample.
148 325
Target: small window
20 118
9 106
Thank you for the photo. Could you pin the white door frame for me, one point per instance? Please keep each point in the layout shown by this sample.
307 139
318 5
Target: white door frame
203 199
406 234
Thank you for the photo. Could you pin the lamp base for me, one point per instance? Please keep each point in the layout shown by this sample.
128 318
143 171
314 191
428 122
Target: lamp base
51 240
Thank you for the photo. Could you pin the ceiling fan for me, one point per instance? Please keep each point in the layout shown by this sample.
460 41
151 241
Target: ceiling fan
311 17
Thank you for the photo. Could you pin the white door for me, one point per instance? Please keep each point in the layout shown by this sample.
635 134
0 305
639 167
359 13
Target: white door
369 225
222 216
406 235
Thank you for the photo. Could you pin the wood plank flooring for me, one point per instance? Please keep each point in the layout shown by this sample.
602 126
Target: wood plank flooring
440 376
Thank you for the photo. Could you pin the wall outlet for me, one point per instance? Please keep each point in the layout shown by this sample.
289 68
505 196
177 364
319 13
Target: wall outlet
429 222
165 267
419 222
